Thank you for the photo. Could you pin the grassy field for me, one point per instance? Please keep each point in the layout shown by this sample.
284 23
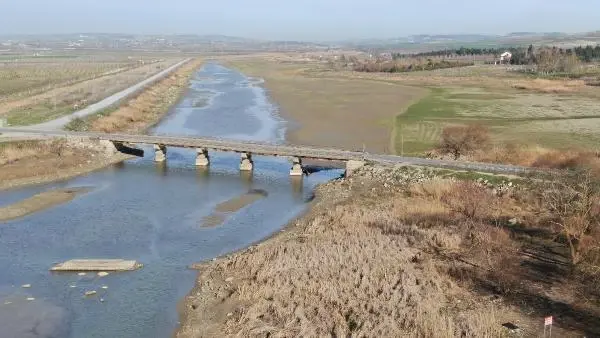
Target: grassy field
61 98
517 108
25 76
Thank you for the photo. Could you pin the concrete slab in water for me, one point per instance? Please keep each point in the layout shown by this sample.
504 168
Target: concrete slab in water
97 265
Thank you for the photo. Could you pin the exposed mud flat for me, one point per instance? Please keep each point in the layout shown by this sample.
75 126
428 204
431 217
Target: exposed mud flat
223 210
39 202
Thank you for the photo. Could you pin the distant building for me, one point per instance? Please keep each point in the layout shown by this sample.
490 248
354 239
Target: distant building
504 58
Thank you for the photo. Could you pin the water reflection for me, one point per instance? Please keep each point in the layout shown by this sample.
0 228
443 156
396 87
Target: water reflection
161 168
247 178
297 187
203 173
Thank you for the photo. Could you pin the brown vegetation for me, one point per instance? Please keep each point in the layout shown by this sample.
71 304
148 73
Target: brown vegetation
549 86
462 140
573 201
411 259
34 162
149 106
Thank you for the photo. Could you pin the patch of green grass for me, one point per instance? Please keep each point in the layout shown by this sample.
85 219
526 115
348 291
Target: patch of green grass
36 114
473 96
84 124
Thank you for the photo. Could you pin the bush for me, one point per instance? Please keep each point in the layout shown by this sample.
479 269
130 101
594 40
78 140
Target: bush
461 140
469 199
573 201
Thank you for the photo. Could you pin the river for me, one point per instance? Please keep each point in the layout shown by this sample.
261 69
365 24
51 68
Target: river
152 213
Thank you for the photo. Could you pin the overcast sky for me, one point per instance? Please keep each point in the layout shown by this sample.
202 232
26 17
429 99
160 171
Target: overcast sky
298 19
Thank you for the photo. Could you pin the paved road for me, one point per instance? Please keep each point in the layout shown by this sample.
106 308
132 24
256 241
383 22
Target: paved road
107 102
275 150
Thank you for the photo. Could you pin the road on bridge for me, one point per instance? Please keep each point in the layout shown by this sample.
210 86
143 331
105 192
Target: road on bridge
269 149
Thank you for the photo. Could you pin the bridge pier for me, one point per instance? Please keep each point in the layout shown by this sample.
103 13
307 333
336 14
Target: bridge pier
353 165
202 158
160 153
296 167
246 163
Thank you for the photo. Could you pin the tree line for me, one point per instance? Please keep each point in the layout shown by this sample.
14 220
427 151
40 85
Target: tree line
520 55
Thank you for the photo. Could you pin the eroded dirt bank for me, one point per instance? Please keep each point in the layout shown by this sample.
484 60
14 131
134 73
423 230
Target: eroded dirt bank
386 253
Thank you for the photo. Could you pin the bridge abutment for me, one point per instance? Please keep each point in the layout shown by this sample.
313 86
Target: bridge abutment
296 167
202 158
160 153
246 163
352 166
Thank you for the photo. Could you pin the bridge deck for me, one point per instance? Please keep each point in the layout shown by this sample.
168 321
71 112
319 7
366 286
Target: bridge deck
258 148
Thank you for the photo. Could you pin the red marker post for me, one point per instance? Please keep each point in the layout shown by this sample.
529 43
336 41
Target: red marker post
548 322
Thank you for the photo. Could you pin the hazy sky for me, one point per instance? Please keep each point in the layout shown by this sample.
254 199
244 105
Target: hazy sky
298 19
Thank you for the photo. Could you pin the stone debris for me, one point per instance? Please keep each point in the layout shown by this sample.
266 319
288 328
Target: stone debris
229 279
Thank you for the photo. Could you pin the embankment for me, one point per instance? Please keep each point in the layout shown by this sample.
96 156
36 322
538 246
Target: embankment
384 253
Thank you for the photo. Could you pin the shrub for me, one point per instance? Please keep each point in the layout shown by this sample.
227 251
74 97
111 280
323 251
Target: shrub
460 140
573 200
469 199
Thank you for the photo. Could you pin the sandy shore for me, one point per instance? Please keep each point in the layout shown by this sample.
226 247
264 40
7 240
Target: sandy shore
39 202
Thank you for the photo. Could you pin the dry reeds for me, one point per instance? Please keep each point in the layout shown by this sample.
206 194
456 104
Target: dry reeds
549 86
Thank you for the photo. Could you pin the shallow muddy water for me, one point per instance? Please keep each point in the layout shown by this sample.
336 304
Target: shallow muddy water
152 213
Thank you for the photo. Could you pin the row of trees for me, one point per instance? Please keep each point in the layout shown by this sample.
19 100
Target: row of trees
418 65
521 55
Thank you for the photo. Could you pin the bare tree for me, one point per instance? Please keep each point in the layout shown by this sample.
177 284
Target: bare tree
459 140
573 201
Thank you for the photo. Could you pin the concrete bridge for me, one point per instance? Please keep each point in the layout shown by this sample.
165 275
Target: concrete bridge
247 149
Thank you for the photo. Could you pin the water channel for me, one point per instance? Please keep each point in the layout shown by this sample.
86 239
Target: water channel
151 213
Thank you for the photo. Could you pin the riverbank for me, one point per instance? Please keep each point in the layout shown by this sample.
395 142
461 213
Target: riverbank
36 162
39 202
327 111
385 253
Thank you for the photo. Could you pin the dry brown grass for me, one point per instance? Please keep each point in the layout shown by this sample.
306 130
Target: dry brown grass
367 266
378 261
34 162
540 157
550 86
148 107
17 151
